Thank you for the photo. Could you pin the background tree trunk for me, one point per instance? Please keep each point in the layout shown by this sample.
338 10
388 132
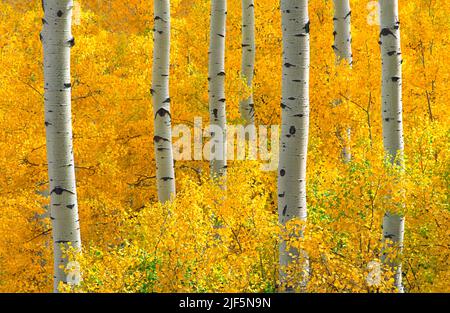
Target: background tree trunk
295 118
165 172
216 77
57 40
393 223
248 58
342 31
343 51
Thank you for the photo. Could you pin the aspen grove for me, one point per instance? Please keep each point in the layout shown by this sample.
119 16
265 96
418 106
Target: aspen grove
224 146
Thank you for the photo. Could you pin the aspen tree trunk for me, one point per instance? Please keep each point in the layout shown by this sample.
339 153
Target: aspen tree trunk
343 51
248 57
57 41
295 120
393 223
342 31
216 77
165 172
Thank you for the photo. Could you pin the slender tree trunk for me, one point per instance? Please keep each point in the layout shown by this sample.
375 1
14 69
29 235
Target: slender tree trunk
57 40
343 51
165 172
295 120
393 223
216 77
248 58
342 31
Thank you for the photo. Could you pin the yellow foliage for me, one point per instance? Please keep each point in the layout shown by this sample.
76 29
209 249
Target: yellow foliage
209 240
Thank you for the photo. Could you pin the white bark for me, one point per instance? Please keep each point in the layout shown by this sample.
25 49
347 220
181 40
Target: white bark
295 117
343 51
393 223
393 230
165 172
216 77
57 40
248 58
342 31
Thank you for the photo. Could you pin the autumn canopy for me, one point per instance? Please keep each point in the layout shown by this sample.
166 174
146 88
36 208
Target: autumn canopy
96 99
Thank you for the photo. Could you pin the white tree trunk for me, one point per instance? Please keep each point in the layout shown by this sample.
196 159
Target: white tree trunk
295 118
393 230
216 77
393 223
342 31
165 172
57 40
343 51
248 58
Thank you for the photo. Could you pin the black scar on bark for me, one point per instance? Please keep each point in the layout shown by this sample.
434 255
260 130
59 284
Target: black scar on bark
71 42
391 53
348 14
70 206
395 79
159 138
162 112
47 123
41 37
285 210
166 178
307 27
167 100
44 21
215 113
67 85
282 173
292 130
386 32
59 191
289 65
59 13
62 241
222 100
221 74
152 91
